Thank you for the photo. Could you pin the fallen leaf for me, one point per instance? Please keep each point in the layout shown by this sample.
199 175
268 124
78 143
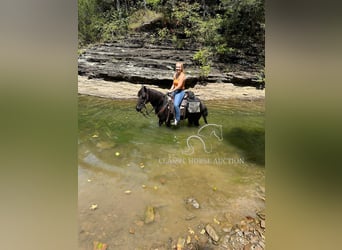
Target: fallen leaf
99 245
93 206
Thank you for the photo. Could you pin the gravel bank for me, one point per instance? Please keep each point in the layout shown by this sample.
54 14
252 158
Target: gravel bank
126 90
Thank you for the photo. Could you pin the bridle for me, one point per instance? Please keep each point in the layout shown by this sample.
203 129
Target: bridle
143 104
146 99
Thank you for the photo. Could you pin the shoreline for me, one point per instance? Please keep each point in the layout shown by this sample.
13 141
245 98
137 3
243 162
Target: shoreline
126 90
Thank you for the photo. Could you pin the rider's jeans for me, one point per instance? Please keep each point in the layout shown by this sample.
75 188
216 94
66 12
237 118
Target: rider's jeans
178 97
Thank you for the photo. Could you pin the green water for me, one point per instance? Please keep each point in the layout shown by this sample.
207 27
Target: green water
127 162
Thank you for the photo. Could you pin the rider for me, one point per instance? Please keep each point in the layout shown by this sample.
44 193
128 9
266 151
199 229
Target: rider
177 89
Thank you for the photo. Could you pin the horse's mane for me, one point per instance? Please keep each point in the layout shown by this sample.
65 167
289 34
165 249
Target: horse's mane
155 91
156 98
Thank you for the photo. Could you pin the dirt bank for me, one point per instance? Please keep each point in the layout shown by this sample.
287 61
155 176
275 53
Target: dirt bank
126 90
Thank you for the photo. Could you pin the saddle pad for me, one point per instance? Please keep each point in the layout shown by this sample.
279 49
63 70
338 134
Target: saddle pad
194 107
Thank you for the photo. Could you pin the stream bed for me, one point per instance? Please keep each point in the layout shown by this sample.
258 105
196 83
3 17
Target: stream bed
141 186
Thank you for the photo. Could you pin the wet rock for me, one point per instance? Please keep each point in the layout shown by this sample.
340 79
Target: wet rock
261 215
225 242
247 234
212 233
252 247
262 224
192 202
149 215
190 217
244 78
180 243
261 244
203 239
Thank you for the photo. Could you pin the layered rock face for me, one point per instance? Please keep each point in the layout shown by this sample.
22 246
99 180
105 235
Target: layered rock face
137 61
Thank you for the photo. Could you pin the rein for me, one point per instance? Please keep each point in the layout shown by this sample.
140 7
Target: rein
164 107
146 113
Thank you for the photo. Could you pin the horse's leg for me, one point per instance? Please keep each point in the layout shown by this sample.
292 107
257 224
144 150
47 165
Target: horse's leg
204 112
195 119
190 120
160 122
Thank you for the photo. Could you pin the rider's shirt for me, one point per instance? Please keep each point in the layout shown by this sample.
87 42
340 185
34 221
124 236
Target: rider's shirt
176 81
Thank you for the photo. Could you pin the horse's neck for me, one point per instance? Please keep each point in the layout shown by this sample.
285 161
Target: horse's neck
156 99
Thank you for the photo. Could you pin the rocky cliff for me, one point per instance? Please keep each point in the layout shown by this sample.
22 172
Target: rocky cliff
137 61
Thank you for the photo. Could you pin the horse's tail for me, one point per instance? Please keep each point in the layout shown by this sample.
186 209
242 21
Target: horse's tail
204 112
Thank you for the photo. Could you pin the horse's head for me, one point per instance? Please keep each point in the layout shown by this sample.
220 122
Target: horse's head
143 98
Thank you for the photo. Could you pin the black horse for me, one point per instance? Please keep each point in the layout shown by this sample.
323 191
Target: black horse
191 108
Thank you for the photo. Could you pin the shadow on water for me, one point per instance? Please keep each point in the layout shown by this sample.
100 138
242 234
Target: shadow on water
250 141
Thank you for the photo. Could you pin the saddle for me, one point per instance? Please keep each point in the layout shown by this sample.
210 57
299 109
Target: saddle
190 103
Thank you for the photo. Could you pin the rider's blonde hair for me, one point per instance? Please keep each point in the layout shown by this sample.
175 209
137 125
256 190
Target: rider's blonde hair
181 66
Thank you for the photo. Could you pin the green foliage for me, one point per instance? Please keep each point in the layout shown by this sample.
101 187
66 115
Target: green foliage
244 25
87 18
141 17
186 19
153 3
113 30
163 33
115 27
202 58
209 31
261 77
226 28
205 70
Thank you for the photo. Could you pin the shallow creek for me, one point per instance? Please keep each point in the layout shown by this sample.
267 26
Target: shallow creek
128 163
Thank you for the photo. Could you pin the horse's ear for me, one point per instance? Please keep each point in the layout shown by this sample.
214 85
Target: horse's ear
144 88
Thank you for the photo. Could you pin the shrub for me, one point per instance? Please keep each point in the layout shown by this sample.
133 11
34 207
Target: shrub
202 58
